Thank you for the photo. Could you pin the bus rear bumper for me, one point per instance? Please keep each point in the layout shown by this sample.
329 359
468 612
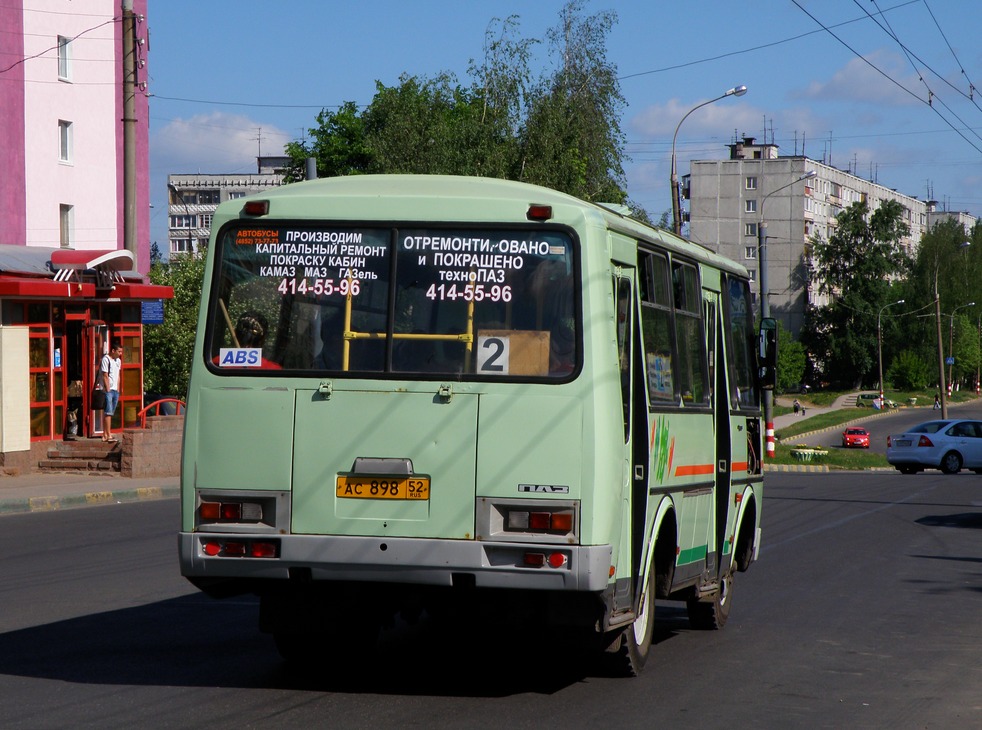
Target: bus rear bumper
398 560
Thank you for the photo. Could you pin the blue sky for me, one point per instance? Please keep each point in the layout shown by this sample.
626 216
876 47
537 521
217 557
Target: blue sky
231 78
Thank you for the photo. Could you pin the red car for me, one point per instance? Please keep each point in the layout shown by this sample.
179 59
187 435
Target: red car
858 437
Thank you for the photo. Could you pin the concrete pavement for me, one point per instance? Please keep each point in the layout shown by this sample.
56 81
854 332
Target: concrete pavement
55 491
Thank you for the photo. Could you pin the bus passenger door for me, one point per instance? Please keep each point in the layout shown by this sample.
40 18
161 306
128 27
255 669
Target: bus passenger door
635 414
724 450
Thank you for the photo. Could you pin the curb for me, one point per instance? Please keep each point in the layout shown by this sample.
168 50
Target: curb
86 499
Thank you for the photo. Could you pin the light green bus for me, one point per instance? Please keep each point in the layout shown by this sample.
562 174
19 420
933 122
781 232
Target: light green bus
439 395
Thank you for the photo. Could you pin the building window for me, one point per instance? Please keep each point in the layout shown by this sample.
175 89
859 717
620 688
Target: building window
64 59
209 197
751 183
235 195
750 229
180 245
750 206
206 219
64 141
66 224
182 221
749 252
753 275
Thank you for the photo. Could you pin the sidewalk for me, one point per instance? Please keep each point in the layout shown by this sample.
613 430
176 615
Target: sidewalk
49 492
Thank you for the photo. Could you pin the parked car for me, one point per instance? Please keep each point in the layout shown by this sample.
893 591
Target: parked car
949 445
855 437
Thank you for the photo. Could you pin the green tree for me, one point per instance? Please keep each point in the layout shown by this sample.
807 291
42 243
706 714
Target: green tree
167 347
791 360
909 372
855 268
560 130
571 139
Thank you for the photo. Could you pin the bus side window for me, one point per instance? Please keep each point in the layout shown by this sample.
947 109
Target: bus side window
656 326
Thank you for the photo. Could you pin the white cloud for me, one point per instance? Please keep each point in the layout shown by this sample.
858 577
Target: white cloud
214 143
859 81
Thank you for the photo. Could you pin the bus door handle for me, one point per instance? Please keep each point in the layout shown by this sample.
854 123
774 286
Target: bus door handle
326 388
445 393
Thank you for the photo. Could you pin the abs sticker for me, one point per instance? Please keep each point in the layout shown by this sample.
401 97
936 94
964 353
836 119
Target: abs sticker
544 488
240 357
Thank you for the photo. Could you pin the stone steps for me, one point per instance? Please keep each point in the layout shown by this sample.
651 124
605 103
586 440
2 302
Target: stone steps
82 455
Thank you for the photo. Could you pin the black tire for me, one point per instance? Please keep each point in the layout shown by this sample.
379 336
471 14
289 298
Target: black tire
628 652
951 463
712 615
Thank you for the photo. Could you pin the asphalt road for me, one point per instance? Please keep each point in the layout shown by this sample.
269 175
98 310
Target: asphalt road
863 612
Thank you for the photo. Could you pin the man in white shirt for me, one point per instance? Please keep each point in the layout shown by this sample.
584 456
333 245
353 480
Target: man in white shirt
109 373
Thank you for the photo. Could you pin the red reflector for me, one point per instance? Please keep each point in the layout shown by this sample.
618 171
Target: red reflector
263 550
235 549
539 212
231 511
256 207
562 521
210 510
557 560
536 560
211 548
539 520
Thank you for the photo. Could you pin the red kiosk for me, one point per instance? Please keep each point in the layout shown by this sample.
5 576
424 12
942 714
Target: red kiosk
59 311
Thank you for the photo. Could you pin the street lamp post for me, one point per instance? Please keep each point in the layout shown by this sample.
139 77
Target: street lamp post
879 343
765 302
951 340
676 203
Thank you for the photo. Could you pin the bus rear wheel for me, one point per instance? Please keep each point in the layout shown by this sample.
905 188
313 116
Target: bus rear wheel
712 615
627 653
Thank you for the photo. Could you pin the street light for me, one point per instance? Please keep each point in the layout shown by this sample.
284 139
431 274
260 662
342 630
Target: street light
942 388
765 303
951 339
879 343
676 203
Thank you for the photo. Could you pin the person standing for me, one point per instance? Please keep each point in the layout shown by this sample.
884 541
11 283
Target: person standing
109 373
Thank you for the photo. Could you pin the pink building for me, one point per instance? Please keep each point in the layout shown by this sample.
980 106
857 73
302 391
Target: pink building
70 281
61 130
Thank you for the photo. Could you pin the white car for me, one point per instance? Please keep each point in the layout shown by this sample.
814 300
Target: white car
950 446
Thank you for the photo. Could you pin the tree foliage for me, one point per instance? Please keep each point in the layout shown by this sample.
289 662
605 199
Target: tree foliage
168 347
791 360
856 269
909 372
560 129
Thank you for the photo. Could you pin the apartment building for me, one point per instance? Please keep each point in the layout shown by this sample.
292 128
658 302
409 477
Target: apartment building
730 198
193 199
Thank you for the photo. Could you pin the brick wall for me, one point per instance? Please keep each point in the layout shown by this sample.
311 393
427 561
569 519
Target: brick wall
154 451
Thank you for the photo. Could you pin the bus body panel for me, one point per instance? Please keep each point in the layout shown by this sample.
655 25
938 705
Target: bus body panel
436 435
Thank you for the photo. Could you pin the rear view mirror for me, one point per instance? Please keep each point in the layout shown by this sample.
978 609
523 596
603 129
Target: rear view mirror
767 354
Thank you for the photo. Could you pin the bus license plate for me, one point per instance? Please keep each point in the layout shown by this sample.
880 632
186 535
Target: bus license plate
360 487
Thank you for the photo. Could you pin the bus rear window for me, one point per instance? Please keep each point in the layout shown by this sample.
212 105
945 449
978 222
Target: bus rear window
415 301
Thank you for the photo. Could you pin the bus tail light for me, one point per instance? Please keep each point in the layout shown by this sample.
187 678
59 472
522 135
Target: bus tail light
540 560
540 521
238 548
230 512
539 212
256 207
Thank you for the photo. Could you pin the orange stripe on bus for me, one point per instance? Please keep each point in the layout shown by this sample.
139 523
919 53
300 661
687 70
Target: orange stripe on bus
694 469
739 466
